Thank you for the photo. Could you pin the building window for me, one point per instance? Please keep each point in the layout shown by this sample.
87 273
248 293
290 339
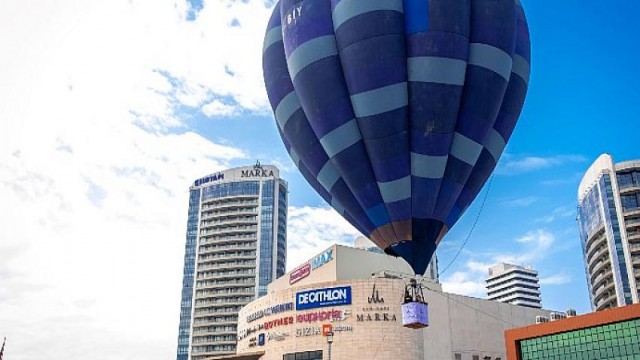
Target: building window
457 356
306 355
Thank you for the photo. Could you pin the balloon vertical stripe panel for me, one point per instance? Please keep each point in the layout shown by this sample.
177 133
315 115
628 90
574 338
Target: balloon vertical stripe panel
298 137
507 117
437 53
397 111
491 45
319 83
376 81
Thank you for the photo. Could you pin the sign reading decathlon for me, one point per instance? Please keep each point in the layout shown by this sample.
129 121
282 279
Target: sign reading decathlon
317 298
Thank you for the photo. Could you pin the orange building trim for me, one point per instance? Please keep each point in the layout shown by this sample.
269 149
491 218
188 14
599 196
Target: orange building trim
513 336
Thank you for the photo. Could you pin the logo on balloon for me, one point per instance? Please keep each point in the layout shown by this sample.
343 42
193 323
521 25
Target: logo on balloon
291 17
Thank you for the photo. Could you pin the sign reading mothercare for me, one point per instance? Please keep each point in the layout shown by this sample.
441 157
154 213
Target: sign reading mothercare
317 298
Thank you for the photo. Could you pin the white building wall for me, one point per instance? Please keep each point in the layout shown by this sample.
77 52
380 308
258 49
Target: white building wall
458 324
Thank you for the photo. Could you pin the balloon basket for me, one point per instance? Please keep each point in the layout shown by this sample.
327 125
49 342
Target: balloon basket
415 310
415 315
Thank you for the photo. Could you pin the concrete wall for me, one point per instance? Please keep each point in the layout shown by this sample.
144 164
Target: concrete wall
458 324
347 263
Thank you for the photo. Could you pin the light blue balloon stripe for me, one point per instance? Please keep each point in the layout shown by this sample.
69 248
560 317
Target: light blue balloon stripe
395 190
465 149
428 166
310 52
437 70
380 100
348 9
491 58
271 37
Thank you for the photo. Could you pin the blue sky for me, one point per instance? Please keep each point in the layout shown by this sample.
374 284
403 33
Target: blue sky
110 110
580 104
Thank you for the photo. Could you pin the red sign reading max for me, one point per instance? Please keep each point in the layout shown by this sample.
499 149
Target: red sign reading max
299 273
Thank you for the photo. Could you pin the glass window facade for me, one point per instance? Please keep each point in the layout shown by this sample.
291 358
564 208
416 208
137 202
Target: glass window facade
628 179
230 189
619 341
282 231
630 202
266 237
306 355
613 228
187 279
589 216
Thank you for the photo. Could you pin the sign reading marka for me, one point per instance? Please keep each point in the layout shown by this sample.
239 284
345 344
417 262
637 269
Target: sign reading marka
317 298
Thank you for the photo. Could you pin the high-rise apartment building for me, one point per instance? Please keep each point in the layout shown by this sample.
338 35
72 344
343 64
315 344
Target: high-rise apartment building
516 285
609 224
236 245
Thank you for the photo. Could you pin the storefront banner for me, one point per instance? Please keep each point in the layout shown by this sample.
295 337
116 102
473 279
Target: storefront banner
317 298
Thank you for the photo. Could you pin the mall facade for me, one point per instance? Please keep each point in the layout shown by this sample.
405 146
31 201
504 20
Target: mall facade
357 296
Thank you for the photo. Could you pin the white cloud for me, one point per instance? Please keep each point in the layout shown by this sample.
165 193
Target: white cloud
465 283
556 279
313 229
515 165
95 163
520 202
537 244
470 279
218 108
560 212
479 267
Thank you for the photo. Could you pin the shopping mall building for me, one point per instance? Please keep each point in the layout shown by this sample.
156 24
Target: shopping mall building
357 295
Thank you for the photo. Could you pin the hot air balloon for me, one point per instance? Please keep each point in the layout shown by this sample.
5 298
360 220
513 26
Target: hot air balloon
396 112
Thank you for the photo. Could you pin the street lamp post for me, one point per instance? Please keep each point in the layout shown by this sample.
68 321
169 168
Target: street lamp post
329 341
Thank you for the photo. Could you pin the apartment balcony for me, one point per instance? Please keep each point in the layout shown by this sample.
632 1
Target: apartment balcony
238 221
514 289
225 257
603 275
220 240
230 202
633 223
239 211
604 291
218 295
204 286
229 230
216 249
597 236
207 332
629 190
597 251
633 235
226 275
606 303
598 263
631 212
227 265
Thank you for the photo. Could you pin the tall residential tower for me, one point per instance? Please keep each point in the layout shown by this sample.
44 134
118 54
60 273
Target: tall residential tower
514 285
609 224
236 244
